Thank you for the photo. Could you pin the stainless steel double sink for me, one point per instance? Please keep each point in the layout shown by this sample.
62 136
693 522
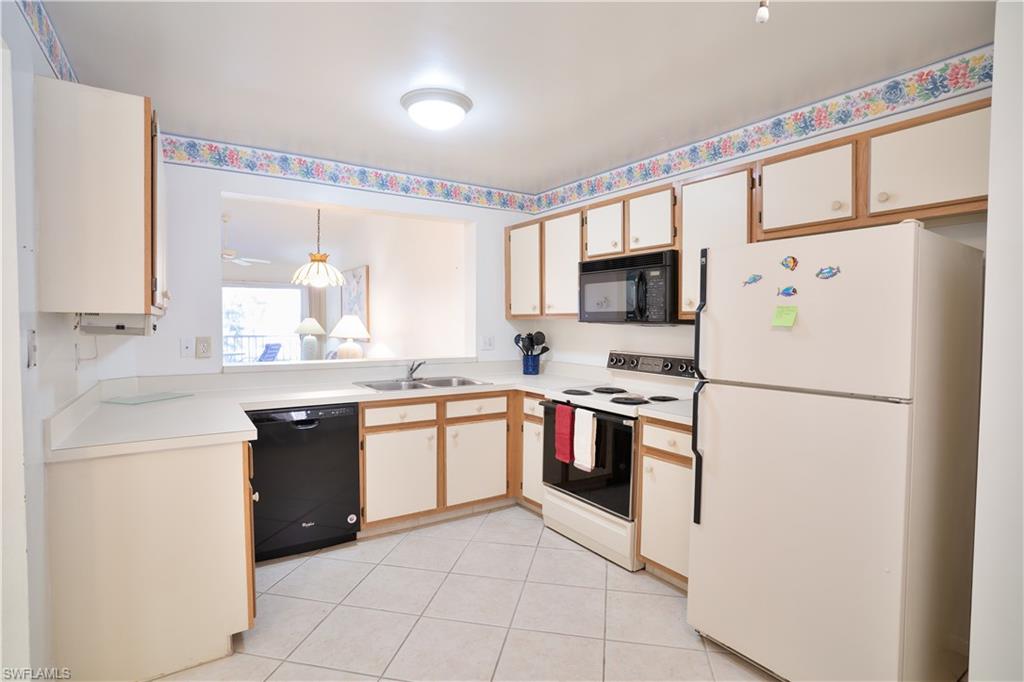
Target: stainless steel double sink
412 384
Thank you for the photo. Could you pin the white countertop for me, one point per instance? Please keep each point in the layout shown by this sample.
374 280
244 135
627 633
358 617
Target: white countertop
678 411
210 417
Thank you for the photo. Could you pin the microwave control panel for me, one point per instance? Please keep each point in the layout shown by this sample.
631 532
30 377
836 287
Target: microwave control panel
665 365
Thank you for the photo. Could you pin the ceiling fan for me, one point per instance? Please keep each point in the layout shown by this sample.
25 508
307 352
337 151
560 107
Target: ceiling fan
231 256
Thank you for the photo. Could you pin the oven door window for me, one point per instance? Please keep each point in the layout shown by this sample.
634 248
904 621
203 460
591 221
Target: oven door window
608 296
610 485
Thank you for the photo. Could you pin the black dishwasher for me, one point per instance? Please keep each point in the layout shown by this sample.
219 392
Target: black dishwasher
305 477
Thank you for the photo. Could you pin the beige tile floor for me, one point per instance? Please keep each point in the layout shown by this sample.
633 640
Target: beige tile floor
490 597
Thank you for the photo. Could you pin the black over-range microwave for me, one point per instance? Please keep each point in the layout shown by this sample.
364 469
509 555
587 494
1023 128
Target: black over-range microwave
643 288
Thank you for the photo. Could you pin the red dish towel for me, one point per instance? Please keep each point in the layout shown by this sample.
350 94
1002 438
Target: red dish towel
563 433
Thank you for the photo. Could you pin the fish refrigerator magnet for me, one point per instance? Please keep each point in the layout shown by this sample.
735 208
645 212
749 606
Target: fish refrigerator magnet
790 263
786 291
827 272
753 279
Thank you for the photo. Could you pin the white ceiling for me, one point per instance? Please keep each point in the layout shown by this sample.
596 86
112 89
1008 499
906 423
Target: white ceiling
561 91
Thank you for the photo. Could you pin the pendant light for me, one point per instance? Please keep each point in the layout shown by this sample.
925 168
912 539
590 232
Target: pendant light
318 272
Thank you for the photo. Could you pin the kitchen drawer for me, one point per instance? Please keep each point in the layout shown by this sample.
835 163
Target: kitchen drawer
400 414
471 408
669 440
532 407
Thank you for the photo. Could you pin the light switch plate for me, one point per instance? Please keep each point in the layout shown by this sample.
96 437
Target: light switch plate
487 343
203 346
187 347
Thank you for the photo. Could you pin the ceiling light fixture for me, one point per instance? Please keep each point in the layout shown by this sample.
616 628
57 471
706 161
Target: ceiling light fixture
436 108
762 15
318 272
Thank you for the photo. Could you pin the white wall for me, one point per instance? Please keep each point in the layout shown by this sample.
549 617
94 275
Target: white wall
45 388
998 602
194 197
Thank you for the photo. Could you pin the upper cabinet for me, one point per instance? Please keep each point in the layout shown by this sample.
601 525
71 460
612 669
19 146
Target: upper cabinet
650 219
715 213
604 234
522 270
935 163
561 265
542 263
807 187
98 169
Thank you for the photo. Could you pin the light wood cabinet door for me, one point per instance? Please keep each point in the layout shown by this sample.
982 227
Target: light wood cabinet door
938 162
533 461
561 265
524 270
666 507
716 213
650 220
809 188
475 461
604 230
400 472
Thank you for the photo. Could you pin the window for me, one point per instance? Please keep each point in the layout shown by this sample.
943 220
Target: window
259 323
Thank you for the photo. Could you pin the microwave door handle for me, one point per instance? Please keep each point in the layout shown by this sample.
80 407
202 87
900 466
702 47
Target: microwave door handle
641 296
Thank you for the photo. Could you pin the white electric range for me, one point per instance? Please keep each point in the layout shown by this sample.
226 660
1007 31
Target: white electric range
596 508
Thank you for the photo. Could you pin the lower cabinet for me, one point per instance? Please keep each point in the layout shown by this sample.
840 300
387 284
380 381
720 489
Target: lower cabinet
400 472
533 461
666 506
475 460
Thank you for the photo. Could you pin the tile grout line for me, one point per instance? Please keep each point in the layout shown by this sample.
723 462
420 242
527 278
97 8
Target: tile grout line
430 601
332 610
604 637
522 589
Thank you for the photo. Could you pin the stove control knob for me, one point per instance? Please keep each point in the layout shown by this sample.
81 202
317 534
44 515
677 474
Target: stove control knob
667 367
633 362
621 361
682 367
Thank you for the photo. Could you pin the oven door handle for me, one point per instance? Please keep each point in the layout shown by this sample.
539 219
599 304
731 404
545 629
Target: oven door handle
603 416
698 455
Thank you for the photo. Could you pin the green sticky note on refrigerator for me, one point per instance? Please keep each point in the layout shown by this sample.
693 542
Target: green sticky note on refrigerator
785 316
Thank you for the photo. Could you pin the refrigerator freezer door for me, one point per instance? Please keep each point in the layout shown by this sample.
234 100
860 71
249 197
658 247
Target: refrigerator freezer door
797 562
854 322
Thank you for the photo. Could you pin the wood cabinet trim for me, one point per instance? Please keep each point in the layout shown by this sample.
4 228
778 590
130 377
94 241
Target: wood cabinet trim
665 456
250 552
665 424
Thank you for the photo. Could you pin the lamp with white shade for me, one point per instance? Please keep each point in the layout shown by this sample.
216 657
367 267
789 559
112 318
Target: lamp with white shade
309 329
350 328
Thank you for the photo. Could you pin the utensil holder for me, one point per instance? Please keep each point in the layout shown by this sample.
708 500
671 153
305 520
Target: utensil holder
531 364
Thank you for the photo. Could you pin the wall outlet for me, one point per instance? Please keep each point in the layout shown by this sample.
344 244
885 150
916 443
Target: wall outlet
486 343
187 347
203 346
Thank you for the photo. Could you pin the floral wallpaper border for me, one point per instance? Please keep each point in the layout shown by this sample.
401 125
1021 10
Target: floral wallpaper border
42 28
952 77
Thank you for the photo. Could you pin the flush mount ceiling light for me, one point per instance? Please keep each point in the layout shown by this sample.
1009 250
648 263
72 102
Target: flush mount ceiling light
762 15
436 108
318 272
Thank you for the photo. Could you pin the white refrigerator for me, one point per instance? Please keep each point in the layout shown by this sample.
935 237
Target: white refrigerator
835 441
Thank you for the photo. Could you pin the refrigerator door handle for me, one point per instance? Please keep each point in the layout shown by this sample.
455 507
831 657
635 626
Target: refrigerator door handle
696 315
698 456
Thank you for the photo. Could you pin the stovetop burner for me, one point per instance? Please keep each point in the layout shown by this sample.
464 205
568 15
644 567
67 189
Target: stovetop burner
609 389
575 391
629 400
663 398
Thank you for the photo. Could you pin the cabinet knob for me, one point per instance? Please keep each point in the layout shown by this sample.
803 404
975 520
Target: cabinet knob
533 307
689 302
549 306
166 295
648 469
401 416
455 435
883 197
836 205
615 244
479 408
537 434
256 496
636 240
672 443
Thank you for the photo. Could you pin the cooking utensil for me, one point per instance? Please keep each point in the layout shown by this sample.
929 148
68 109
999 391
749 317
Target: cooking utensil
528 343
539 338
518 340
543 350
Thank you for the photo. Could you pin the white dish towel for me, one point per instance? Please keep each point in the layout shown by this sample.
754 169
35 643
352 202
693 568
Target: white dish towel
583 440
